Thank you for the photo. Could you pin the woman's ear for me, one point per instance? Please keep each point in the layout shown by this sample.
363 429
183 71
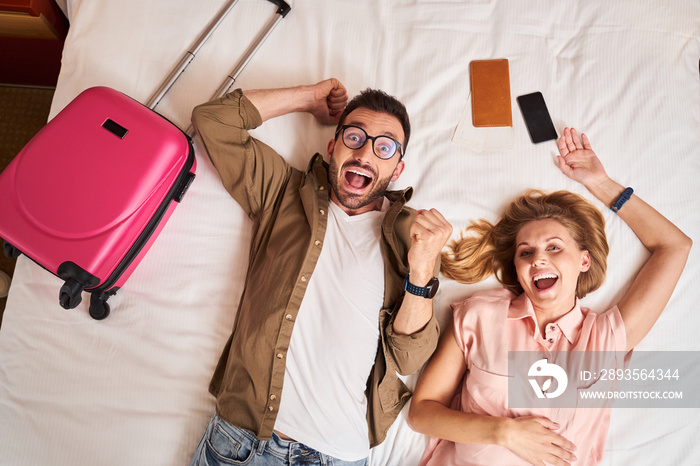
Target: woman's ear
585 261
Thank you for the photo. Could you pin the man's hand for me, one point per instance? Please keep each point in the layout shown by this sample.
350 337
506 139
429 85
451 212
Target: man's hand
429 234
325 100
330 99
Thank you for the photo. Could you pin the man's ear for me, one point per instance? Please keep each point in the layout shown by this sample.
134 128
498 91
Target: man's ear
586 263
331 145
398 170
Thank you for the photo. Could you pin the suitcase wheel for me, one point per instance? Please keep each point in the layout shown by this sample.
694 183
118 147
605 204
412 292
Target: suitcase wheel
10 251
70 294
99 308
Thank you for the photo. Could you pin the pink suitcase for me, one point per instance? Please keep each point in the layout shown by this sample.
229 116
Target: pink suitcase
88 195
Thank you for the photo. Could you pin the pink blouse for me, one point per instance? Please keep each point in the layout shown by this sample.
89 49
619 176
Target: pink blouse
487 326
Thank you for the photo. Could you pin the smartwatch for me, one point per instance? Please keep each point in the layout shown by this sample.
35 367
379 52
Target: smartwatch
427 291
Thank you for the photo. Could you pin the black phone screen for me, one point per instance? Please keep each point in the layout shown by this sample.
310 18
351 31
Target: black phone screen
536 116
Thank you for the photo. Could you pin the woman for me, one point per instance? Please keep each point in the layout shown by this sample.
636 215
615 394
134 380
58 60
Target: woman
548 251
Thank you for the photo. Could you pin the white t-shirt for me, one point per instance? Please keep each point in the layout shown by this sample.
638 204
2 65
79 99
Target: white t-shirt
335 340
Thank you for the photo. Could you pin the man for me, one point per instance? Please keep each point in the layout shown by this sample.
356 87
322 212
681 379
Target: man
324 325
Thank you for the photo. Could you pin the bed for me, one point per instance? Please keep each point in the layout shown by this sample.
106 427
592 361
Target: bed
132 389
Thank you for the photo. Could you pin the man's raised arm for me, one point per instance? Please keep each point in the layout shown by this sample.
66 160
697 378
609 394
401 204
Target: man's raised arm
324 100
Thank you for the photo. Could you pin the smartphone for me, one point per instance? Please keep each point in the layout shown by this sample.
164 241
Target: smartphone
539 123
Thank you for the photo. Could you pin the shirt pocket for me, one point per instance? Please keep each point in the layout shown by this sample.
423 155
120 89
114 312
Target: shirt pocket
486 392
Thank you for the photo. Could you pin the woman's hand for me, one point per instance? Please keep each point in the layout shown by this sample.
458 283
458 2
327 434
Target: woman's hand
532 439
578 161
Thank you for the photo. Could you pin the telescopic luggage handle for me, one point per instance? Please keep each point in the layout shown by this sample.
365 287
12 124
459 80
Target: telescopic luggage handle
282 9
189 55
233 75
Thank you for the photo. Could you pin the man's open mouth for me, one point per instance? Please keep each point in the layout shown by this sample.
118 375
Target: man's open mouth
544 281
357 179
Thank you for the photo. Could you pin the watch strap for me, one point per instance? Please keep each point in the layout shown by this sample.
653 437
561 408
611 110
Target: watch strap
624 197
427 291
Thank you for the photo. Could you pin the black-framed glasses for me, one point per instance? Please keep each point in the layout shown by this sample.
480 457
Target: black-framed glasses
383 147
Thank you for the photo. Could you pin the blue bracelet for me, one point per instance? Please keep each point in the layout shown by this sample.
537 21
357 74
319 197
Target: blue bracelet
624 197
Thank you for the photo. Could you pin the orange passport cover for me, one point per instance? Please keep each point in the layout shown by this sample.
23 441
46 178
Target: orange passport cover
490 88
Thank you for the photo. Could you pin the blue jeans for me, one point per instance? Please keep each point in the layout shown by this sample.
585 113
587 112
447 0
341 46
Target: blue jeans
224 444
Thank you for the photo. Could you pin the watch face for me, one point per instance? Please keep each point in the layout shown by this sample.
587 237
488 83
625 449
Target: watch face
432 287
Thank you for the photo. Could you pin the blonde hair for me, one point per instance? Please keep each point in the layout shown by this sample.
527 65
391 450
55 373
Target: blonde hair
489 249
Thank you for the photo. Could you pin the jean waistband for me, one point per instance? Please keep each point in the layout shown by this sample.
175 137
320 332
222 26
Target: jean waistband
295 451
286 450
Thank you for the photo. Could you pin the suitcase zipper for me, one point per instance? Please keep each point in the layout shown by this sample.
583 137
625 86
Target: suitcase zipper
177 191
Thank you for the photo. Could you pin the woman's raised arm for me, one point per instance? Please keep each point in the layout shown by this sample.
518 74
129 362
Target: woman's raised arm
653 285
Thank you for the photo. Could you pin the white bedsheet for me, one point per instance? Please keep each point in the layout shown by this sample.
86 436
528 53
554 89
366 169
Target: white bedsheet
132 389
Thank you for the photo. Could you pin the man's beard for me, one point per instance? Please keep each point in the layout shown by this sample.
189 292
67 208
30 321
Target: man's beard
350 200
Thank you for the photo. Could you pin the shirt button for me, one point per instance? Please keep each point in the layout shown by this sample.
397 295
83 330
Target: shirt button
317 243
303 278
270 408
551 340
552 327
288 317
322 212
273 397
321 188
280 355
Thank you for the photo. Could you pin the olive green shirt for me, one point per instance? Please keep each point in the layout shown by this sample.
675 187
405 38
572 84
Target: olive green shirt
289 209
